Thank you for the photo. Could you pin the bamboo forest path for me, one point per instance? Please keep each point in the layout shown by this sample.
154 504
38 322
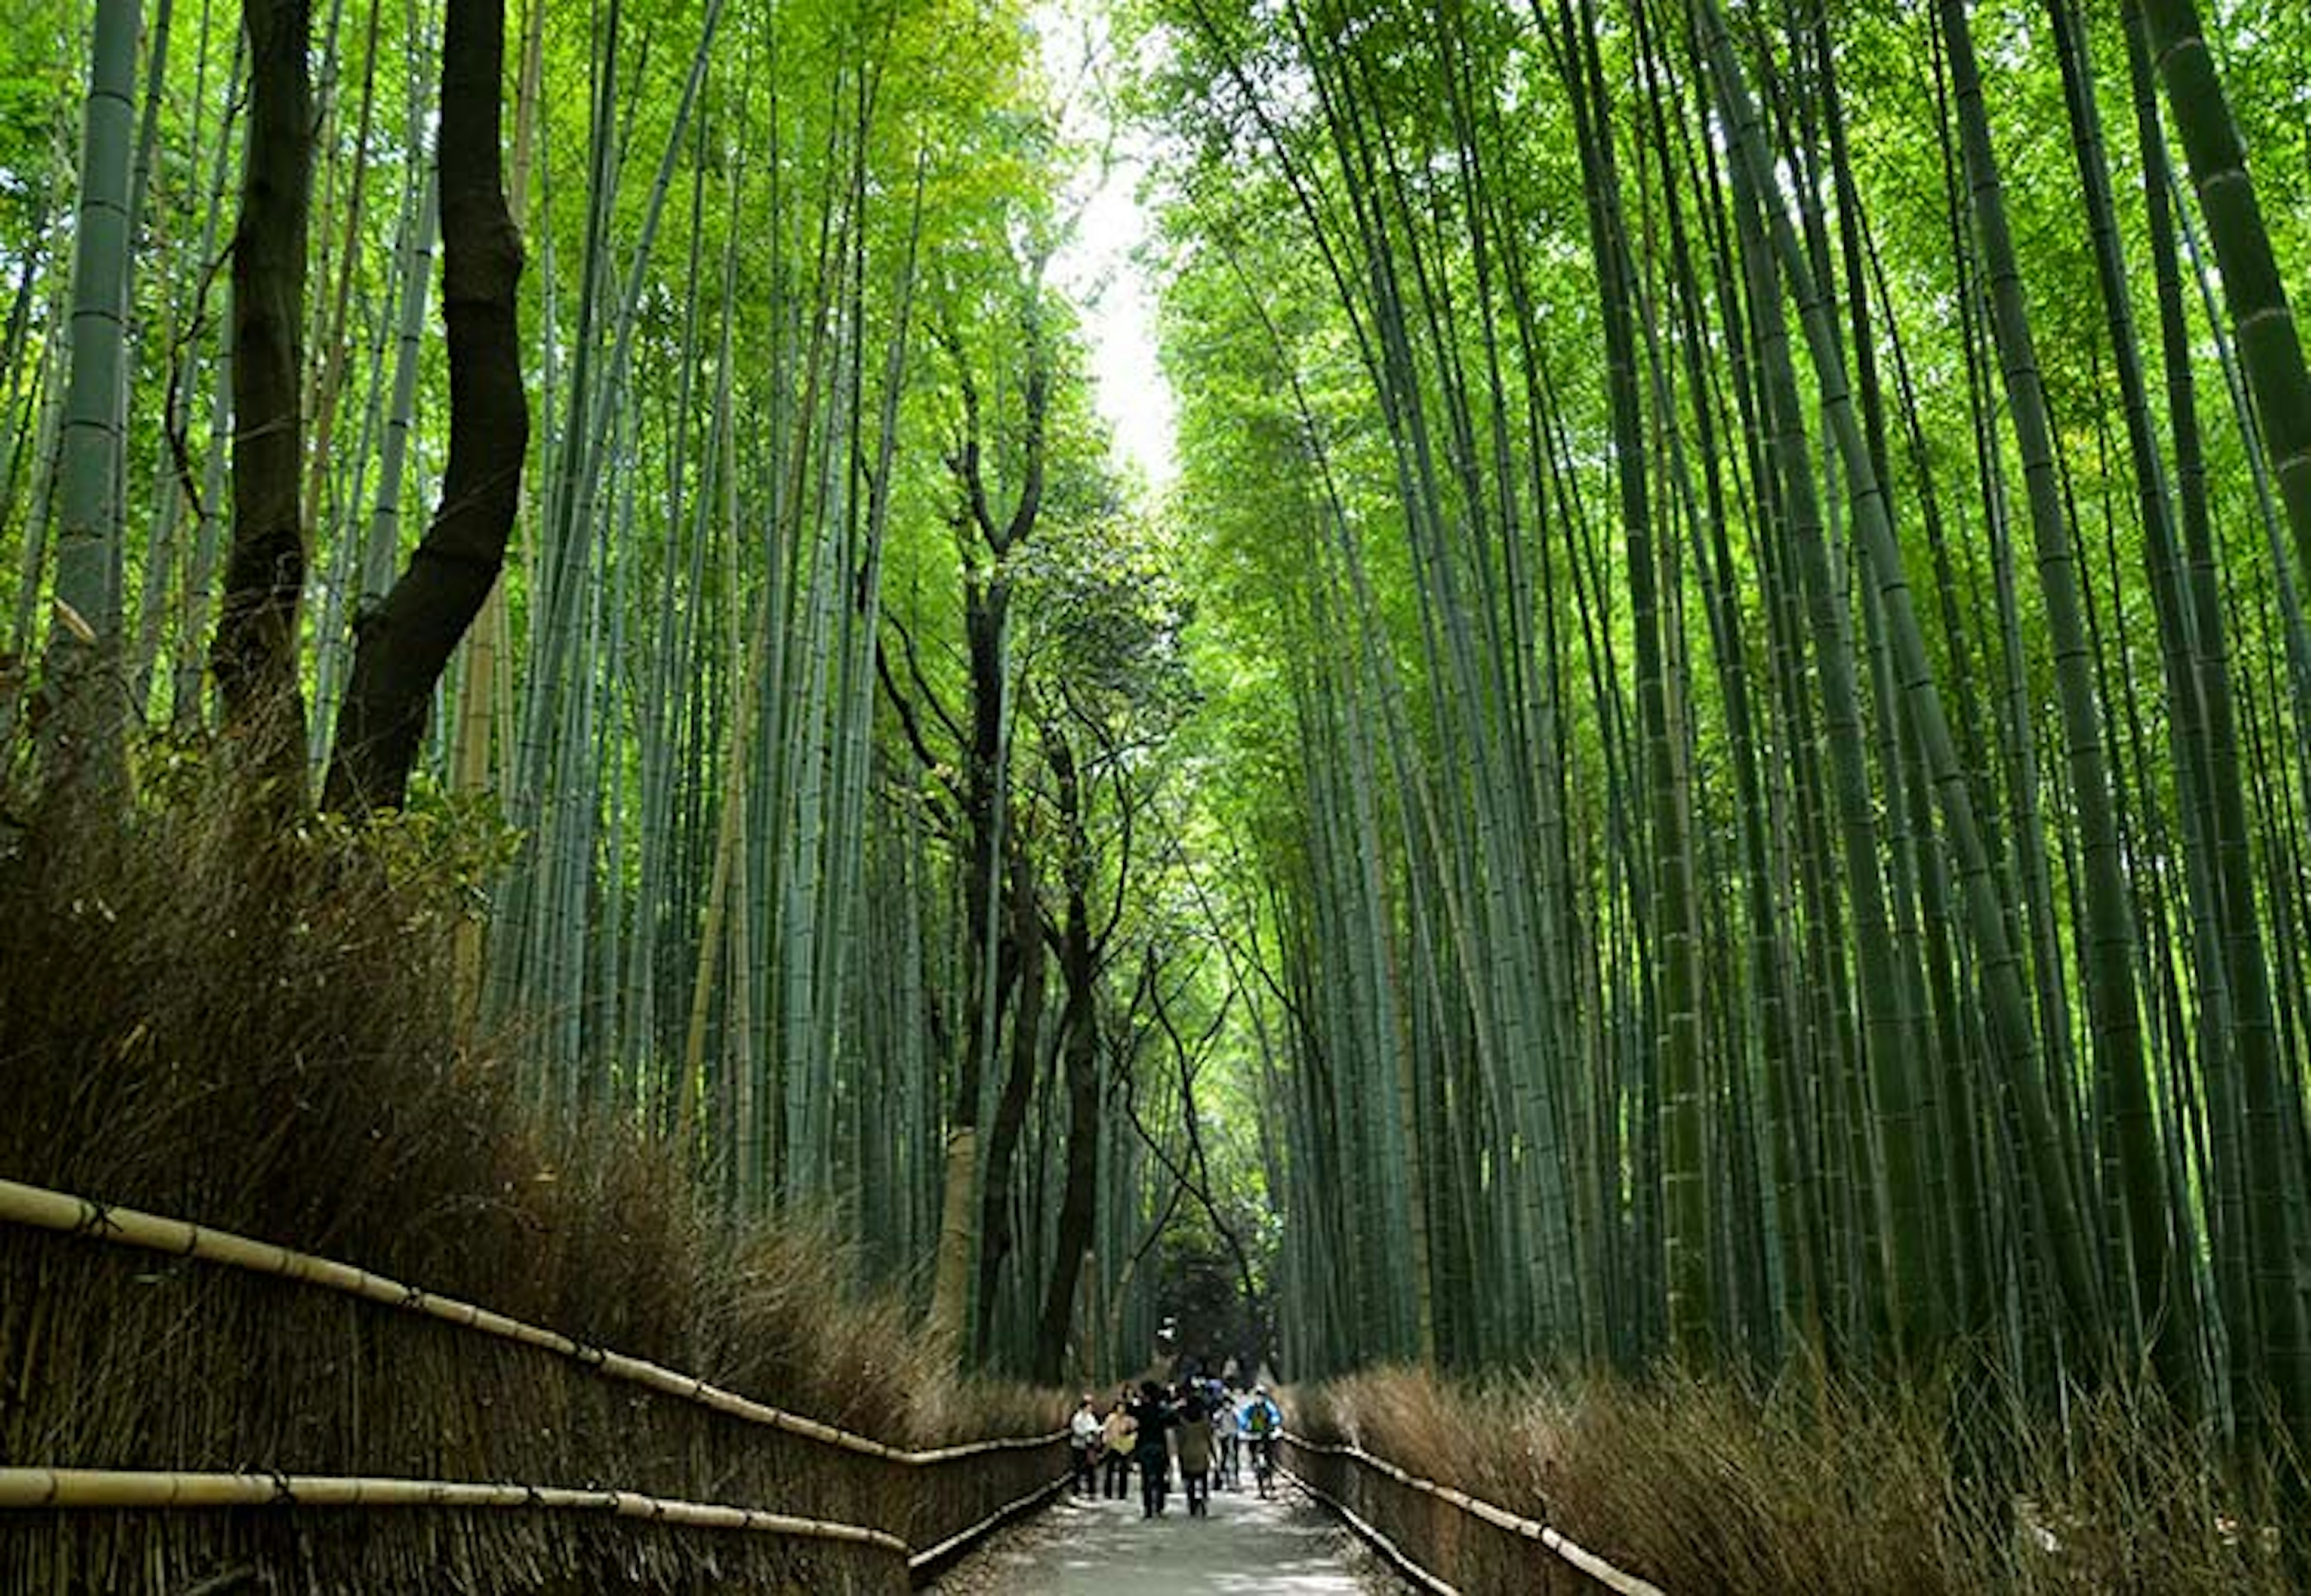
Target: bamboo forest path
1284 1545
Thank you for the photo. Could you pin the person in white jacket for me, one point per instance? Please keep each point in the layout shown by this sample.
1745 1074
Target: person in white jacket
1226 1433
1083 1445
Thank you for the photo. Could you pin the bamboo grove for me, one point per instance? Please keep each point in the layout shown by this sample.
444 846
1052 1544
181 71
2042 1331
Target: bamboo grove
1705 760
1763 546
804 770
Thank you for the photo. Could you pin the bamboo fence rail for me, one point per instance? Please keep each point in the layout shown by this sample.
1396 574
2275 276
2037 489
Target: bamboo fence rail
1371 1533
153 1490
30 1490
922 1562
1575 1555
41 1208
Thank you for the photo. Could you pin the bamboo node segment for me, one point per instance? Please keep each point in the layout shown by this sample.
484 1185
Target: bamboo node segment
2254 319
96 1220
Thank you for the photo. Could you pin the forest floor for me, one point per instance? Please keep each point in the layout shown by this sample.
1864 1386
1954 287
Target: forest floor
1248 1547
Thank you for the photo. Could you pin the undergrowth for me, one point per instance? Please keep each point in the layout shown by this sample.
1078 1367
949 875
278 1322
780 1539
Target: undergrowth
265 1042
1823 1484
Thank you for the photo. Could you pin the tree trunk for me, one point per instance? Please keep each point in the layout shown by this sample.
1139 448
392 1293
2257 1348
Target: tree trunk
406 642
254 652
1020 958
1079 1054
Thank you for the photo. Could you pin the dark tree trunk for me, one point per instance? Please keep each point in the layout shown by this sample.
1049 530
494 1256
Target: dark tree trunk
1079 1050
986 614
986 791
1021 958
254 652
405 645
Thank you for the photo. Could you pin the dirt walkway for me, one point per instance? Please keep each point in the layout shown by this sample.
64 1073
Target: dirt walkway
1283 1546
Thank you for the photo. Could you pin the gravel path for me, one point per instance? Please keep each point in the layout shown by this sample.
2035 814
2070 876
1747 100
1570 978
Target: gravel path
1282 1547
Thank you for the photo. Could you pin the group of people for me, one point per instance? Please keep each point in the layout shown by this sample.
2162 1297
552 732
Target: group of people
1209 1430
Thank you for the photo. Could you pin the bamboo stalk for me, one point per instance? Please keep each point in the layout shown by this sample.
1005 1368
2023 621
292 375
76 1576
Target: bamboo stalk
40 1208
148 1490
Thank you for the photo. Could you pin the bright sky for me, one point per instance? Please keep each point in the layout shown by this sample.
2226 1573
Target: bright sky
1096 269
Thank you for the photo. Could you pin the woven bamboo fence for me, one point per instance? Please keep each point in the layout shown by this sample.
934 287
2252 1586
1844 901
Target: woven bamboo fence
1444 1540
238 1416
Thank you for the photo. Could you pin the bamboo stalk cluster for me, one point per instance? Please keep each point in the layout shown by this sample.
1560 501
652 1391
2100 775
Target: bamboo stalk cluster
760 866
1790 840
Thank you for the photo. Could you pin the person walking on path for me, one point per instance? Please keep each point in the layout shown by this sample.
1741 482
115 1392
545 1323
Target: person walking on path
1115 1441
1263 1421
1227 1429
1083 1446
1196 1454
1151 1447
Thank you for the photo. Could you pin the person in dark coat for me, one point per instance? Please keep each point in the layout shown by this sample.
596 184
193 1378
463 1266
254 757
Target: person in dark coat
1151 1446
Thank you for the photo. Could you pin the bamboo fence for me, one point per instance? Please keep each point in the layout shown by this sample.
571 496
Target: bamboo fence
41 1208
919 1514
152 1490
1587 1563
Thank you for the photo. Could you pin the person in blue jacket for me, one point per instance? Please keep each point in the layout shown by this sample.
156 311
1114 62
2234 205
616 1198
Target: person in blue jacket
1261 1421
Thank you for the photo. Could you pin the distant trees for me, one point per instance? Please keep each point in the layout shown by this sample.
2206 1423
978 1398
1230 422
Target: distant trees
1002 934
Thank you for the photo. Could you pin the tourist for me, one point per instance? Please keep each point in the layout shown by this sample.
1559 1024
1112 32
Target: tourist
1262 1422
1226 1432
1083 1446
1115 1441
1151 1447
1196 1453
